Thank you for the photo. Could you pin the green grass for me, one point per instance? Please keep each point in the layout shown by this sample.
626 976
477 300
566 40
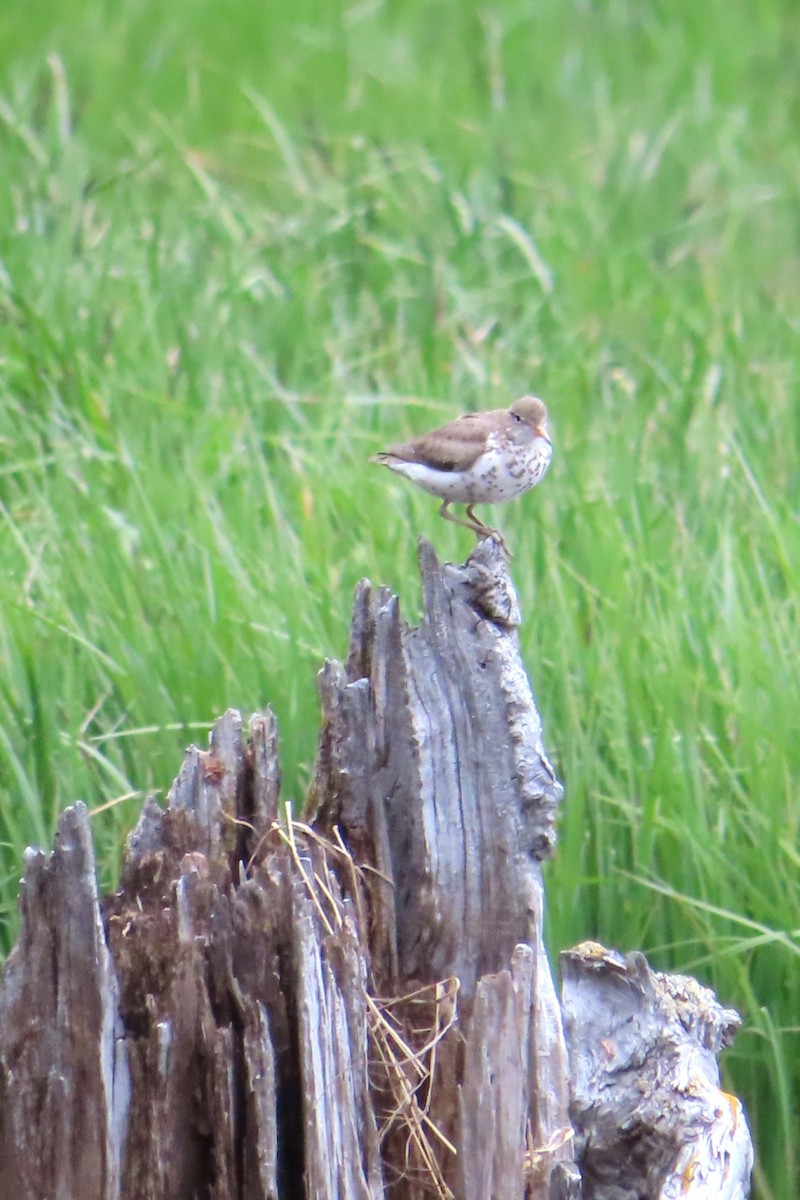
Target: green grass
240 252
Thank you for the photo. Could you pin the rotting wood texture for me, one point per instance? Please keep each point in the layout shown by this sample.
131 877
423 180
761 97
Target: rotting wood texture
361 1006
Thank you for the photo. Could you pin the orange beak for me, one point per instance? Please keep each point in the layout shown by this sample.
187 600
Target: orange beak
541 432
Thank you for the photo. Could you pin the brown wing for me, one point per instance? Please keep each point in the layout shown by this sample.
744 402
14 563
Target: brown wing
455 446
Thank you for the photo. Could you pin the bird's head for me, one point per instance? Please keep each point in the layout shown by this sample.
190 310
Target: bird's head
532 412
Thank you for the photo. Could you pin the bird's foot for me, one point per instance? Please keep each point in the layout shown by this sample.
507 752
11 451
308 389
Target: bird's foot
482 530
486 531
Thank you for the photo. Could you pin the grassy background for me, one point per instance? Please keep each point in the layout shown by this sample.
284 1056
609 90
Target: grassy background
242 248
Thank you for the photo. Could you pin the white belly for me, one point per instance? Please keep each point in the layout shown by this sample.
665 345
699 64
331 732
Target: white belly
494 478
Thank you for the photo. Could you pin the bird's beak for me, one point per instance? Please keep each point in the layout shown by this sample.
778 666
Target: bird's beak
541 432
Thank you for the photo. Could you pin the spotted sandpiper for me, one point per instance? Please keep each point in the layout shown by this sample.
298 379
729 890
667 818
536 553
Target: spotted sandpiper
480 458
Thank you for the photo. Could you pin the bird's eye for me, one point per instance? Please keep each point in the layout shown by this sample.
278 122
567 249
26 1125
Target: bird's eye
517 417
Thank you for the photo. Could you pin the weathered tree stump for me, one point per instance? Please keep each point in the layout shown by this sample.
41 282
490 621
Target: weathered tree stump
361 1006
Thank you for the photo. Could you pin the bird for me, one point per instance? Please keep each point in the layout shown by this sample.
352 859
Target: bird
480 458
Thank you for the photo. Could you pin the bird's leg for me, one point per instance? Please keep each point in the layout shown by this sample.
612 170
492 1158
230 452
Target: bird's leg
474 524
480 526
484 530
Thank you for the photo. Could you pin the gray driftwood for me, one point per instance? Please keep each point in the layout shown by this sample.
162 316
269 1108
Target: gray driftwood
649 1115
362 1006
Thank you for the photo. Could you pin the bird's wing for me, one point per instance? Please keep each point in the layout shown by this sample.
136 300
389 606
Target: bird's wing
454 447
